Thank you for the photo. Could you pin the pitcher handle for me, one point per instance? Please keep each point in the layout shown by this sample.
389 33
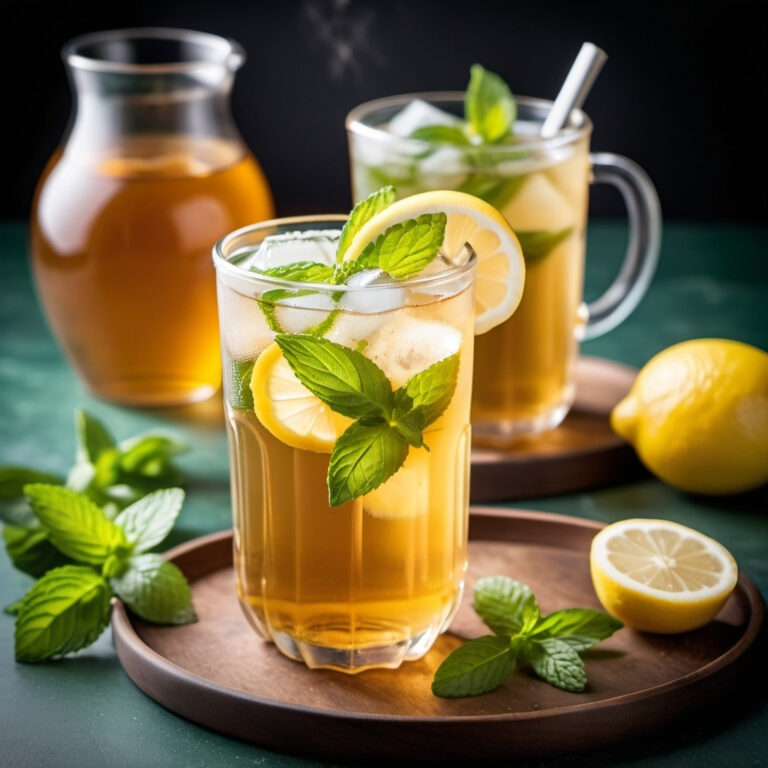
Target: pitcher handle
644 213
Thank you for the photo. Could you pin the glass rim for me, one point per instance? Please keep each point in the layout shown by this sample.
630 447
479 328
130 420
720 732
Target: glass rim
221 262
579 124
229 53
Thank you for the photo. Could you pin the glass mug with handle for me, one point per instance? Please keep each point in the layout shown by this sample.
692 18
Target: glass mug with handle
524 379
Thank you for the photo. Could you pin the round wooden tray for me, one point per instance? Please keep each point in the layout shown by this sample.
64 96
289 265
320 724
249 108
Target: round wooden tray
583 452
220 674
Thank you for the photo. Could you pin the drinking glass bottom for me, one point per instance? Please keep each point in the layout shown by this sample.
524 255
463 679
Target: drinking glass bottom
357 659
501 433
151 392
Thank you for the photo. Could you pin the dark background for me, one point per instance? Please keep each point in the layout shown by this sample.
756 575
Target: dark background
683 93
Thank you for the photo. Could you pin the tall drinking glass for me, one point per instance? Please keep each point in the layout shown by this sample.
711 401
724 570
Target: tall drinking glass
373 581
524 368
150 174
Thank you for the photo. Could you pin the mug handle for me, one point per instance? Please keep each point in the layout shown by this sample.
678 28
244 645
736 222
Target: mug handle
644 213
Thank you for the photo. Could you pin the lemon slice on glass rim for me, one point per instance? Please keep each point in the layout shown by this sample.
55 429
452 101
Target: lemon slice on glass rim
500 265
660 576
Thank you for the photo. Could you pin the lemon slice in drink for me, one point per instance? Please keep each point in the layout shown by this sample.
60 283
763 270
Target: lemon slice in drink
660 576
500 264
288 409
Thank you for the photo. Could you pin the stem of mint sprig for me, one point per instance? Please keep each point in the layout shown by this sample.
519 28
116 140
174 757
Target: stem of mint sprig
387 422
550 645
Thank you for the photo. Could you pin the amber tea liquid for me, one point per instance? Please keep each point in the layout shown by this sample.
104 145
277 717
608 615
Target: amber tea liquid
121 254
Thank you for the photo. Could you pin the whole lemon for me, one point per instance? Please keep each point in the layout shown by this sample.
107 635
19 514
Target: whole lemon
697 415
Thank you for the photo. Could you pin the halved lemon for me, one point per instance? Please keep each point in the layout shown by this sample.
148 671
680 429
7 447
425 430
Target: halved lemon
288 409
500 265
659 576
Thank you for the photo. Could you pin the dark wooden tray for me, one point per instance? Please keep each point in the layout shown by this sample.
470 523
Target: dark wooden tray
583 452
218 673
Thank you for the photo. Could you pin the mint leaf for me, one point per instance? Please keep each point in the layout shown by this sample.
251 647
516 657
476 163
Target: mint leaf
504 604
496 190
557 663
362 213
478 666
442 134
406 248
241 396
345 380
150 455
64 611
580 628
149 520
362 459
489 105
92 437
300 272
407 420
14 507
156 590
14 608
538 244
31 551
431 390
75 525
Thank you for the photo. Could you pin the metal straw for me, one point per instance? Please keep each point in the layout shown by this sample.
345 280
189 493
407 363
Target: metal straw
582 75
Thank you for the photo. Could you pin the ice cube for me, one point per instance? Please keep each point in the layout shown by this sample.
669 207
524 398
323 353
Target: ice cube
366 311
244 330
278 250
419 114
406 493
444 168
539 205
296 314
406 345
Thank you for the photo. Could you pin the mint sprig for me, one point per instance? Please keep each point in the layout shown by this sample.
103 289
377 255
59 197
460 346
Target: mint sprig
489 105
361 214
68 608
549 644
387 422
401 250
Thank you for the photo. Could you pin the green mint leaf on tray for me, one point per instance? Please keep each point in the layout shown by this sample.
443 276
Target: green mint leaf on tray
362 213
580 628
362 459
156 590
31 551
406 248
66 610
502 603
442 134
479 666
14 608
345 380
150 519
241 395
14 507
536 245
300 272
558 664
75 525
551 644
92 437
489 105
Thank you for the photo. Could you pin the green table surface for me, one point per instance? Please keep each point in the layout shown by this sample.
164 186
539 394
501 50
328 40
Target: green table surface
84 711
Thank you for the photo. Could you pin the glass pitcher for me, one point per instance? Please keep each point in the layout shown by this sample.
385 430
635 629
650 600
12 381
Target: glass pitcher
151 173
